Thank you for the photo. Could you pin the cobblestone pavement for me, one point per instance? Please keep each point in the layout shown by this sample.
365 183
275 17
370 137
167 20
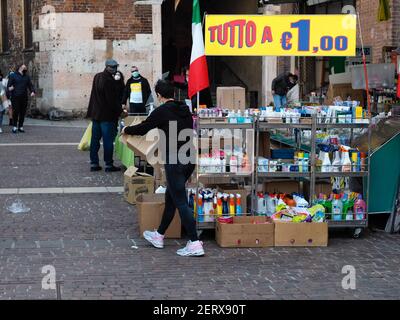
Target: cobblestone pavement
88 238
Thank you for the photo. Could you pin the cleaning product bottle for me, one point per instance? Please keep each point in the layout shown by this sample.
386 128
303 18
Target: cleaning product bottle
225 207
336 164
337 208
239 205
363 161
219 204
232 205
354 161
360 209
261 209
233 164
200 212
346 162
300 161
326 165
306 162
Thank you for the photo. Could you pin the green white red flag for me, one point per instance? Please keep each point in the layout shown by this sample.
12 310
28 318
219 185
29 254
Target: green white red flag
198 73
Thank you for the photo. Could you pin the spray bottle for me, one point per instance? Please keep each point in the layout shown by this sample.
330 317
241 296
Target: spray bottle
346 162
360 209
336 164
337 208
232 205
200 212
326 161
225 208
238 205
219 205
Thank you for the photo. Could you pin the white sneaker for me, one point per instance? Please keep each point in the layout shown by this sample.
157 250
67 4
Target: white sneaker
1 130
192 249
156 239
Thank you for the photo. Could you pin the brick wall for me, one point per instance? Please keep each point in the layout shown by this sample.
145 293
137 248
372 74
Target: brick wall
378 34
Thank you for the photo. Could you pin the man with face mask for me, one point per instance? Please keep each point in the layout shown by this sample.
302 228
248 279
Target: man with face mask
18 85
104 110
138 91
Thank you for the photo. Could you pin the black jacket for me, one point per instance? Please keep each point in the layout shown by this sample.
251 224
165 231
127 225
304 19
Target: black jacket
21 84
104 104
281 85
146 90
161 118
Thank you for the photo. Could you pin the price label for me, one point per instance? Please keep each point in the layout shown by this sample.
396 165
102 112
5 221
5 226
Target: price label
281 35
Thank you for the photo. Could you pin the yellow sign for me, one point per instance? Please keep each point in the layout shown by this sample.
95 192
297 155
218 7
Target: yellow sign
281 35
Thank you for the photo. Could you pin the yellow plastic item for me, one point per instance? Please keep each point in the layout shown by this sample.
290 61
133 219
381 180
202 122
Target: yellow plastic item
84 145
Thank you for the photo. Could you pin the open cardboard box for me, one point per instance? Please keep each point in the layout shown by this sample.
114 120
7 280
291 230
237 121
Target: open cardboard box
290 234
246 232
136 183
150 212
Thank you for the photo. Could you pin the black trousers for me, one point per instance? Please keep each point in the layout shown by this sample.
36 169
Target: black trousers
19 106
176 198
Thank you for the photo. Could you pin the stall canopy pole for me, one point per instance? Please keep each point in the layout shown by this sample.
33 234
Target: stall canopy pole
365 65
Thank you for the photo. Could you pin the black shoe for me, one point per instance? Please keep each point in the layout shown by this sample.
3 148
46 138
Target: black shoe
95 169
21 130
113 169
14 131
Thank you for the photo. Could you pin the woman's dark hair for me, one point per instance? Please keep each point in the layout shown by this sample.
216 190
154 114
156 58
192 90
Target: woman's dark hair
19 67
122 76
165 89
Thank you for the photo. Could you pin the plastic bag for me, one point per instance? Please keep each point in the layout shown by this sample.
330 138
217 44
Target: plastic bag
18 207
84 145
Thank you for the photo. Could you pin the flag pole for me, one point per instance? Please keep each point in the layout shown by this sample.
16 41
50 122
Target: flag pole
364 58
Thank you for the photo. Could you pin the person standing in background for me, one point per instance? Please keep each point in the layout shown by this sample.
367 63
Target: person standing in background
4 103
18 85
5 85
280 88
138 91
104 110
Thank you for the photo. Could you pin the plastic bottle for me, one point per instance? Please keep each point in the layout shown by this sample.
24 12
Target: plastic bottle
360 209
326 165
261 206
346 162
219 204
232 209
337 208
225 207
354 162
239 205
233 163
336 164
363 160
306 162
200 212
300 157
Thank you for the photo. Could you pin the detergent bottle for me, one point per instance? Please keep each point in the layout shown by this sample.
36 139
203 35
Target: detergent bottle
219 205
346 162
233 164
360 209
337 208
239 205
326 161
225 208
200 212
336 164
232 205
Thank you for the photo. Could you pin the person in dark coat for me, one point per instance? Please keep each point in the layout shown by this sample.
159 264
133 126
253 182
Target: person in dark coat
138 91
281 86
18 85
104 110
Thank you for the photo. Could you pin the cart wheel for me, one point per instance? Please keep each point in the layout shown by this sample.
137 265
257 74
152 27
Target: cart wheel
357 233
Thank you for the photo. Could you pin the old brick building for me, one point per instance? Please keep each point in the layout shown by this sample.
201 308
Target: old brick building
65 43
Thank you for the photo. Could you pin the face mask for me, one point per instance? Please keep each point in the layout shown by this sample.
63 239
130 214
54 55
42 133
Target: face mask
117 77
24 71
135 74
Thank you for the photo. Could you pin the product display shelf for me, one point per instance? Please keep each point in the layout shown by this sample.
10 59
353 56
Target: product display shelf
218 123
314 175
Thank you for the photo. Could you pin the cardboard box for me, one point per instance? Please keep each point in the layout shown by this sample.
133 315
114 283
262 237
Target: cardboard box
233 98
343 90
136 183
320 187
244 233
289 234
150 212
282 187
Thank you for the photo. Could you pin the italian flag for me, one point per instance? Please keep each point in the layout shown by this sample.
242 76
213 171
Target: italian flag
198 73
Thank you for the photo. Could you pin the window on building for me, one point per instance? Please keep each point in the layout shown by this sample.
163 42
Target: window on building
4 41
28 41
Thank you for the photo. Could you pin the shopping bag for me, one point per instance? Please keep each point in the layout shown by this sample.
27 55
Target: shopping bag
84 145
